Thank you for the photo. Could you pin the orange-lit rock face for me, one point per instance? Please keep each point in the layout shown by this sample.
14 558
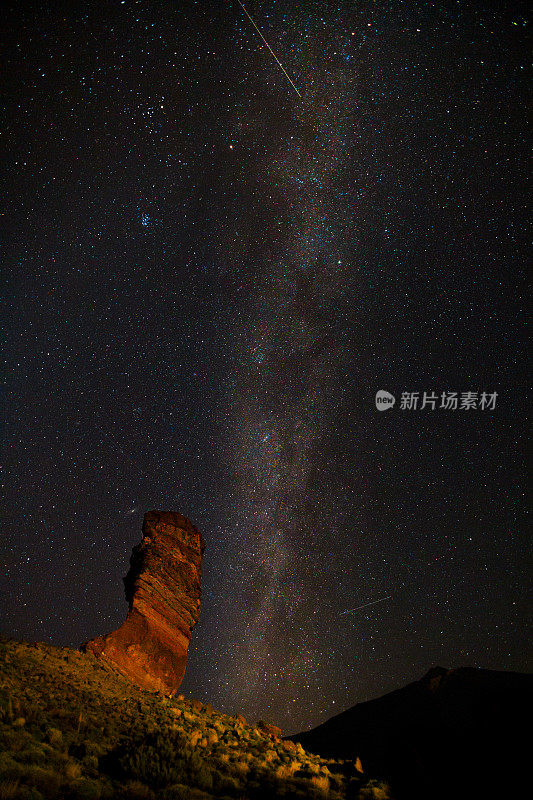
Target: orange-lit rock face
163 590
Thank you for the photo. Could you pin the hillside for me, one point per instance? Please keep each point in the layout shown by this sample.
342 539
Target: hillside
70 727
454 733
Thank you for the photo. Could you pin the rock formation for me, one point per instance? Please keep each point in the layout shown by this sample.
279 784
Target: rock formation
271 730
163 591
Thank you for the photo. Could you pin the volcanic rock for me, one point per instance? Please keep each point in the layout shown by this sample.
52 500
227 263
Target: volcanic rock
163 592
271 730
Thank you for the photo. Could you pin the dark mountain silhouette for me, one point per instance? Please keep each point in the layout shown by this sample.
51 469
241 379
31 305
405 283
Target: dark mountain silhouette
453 734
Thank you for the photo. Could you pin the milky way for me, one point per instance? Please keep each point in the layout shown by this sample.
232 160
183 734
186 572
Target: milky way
285 393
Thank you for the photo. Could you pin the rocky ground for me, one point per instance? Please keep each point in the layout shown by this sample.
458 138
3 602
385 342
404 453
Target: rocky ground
70 727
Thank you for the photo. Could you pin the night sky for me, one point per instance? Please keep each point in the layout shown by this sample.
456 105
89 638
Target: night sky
209 277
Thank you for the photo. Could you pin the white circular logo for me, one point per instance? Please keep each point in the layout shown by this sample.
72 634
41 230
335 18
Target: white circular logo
384 400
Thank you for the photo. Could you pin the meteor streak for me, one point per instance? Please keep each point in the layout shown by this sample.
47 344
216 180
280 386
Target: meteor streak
372 603
273 53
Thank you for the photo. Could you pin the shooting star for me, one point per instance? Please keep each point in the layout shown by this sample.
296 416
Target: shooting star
365 605
273 53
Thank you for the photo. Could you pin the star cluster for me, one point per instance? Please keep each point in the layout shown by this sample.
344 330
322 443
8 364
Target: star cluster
210 276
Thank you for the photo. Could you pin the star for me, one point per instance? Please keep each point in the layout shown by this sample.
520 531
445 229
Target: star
204 334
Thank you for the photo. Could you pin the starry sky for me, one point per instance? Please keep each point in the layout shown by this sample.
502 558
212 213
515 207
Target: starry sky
210 273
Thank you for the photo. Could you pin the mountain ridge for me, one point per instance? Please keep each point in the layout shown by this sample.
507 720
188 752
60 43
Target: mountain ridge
468 717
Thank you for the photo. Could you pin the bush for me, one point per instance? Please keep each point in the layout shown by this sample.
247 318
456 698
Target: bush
45 781
8 790
85 790
135 790
375 790
177 791
158 761
225 784
54 737
32 755
72 771
320 783
12 792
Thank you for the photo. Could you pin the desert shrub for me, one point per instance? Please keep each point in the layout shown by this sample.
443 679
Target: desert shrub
270 756
241 766
95 748
10 771
262 786
136 790
176 792
83 790
375 790
46 781
12 739
72 770
34 716
199 773
287 770
9 789
224 784
90 763
21 793
6 761
54 737
320 783
6 706
158 761
32 755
